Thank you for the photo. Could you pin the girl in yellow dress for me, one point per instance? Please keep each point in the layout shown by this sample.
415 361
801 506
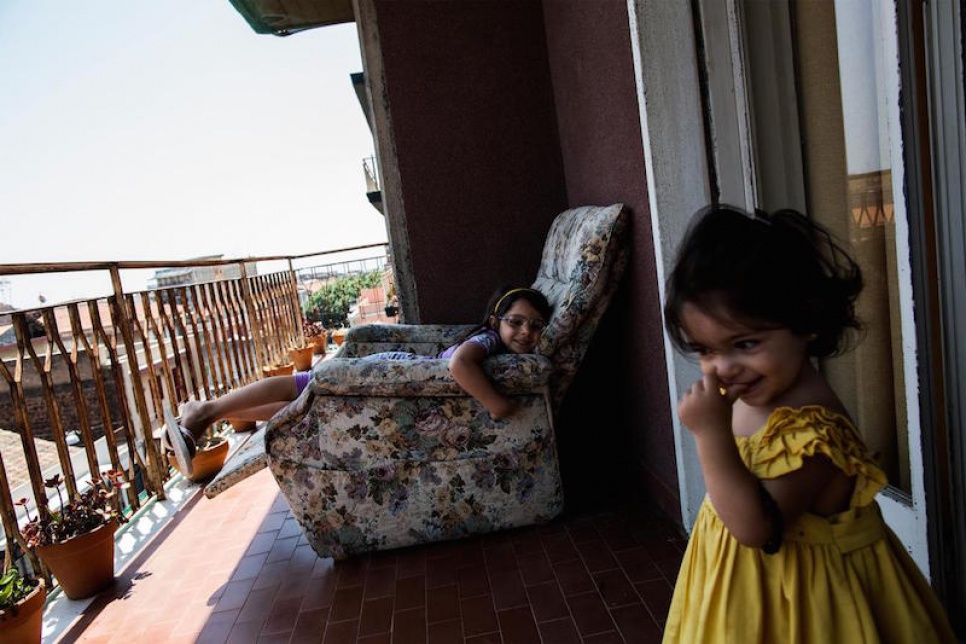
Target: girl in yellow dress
789 544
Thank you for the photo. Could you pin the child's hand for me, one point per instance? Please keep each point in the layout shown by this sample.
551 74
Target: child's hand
502 409
706 406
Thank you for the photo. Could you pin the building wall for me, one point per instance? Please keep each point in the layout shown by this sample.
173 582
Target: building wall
67 407
592 68
475 140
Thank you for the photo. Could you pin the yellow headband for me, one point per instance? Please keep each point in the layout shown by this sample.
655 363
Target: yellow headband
508 294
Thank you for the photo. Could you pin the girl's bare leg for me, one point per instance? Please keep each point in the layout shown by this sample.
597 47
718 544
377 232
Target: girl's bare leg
255 401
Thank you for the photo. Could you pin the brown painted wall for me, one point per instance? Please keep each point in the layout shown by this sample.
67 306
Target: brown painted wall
629 424
468 87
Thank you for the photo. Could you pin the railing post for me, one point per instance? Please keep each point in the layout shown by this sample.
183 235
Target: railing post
255 325
296 305
154 474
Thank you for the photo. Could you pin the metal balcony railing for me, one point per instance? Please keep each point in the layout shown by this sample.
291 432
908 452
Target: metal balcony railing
371 170
88 380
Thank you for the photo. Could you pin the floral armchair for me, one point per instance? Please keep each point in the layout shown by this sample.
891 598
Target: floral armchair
382 454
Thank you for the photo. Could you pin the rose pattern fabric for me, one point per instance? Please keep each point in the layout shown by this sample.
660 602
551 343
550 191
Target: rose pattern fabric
379 454
583 260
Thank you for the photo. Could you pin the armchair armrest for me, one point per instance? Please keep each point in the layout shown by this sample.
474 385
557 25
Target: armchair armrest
512 374
405 332
424 339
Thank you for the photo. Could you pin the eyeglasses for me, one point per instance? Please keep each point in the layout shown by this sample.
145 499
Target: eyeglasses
517 322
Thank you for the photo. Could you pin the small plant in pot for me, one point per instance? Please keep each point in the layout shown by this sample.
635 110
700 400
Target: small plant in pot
301 355
315 336
277 369
76 542
21 607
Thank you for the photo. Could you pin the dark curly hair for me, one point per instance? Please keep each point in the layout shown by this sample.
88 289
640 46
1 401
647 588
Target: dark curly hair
781 268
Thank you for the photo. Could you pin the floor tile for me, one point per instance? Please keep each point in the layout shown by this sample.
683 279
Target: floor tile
615 589
508 591
589 614
443 604
449 632
376 616
410 592
478 615
517 626
409 627
547 602
559 631
636 624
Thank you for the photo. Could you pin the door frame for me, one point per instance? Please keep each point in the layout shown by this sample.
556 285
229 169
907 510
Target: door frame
677 88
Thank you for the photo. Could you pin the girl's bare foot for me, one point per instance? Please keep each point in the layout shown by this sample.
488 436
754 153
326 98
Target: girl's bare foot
195 417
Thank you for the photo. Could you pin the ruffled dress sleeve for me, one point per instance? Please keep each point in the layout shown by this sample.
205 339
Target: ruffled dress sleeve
792 435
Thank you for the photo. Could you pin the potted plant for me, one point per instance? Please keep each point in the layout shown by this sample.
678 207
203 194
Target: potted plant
277 369
209 458
301 355
314 335
392 305
21 607
76 542
241 425
339 335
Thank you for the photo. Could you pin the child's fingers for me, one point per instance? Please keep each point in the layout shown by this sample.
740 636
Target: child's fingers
733 392
712 385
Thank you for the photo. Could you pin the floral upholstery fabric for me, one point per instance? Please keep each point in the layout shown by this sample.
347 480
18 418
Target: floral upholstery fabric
379 454
583 260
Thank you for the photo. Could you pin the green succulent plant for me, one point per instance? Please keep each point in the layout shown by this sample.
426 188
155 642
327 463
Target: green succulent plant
14 587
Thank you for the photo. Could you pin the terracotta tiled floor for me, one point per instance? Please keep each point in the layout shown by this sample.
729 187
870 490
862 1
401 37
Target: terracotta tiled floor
237 569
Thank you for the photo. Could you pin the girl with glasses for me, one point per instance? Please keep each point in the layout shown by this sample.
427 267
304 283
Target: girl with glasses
513 322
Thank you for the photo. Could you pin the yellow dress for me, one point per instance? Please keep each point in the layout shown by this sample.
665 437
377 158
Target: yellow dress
839 579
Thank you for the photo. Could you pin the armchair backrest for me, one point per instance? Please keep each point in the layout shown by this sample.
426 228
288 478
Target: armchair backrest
583 259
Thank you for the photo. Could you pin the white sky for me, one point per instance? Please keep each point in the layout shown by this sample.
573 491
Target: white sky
170 130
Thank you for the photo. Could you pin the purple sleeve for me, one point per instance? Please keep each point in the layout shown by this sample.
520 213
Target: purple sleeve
488 339
302 379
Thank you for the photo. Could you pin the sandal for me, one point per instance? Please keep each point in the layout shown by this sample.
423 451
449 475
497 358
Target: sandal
180 441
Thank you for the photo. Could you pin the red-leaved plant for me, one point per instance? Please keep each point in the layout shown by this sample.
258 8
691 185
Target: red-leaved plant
87 511
311 329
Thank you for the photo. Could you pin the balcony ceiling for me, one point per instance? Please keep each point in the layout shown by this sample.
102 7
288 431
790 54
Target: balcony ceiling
284 17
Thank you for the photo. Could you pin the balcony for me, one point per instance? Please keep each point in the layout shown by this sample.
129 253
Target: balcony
236 569
373 189
87 384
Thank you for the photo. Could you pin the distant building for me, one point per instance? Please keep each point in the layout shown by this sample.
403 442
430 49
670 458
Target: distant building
185 275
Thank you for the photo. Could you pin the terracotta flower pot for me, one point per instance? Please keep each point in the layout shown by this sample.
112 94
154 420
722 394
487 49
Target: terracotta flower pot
83 565
302 357
318 344
338 336
278 370
208 461
23 623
